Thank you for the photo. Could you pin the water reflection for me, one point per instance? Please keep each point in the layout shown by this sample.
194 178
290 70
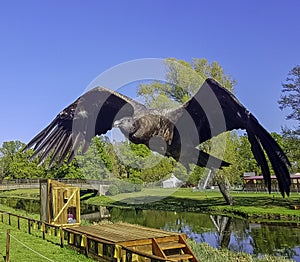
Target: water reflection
28 205
218 231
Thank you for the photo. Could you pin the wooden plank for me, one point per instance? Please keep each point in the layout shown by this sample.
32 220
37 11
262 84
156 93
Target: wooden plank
156 249
154 257
187 249
65 205
122 232
170 245
179 257
139 242
103 233
152 230
167 239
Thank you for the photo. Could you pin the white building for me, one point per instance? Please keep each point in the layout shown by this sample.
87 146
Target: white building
172 182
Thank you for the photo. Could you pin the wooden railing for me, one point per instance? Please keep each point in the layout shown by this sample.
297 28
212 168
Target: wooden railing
100 186
91 246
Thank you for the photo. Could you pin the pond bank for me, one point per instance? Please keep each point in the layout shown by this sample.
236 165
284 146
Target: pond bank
253 206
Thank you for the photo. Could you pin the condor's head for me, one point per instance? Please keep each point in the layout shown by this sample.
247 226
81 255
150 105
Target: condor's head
127 125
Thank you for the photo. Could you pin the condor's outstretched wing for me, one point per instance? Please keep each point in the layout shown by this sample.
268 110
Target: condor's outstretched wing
214 110
91 114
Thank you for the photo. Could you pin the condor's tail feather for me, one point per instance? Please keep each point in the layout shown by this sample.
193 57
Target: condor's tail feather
261 141
259 155
202 159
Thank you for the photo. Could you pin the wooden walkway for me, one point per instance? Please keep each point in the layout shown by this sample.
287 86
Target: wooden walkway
141 242
122 232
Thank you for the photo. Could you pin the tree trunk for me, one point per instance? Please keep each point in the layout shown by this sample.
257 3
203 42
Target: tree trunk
224 188
225 192
225 233
223 225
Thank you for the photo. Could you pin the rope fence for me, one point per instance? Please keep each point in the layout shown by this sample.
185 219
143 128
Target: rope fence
29 248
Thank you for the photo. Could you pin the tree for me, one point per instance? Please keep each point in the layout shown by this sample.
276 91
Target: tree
246 160
290 98
158 172
14 164
290 143
183 81
95 163
141 163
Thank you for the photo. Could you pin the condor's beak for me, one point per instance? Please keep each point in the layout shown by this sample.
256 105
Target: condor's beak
117 123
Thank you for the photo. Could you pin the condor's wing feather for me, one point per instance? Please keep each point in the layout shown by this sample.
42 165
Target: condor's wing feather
215 110
91 114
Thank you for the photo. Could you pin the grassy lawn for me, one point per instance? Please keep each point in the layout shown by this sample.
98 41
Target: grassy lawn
204 252
22 193
36 249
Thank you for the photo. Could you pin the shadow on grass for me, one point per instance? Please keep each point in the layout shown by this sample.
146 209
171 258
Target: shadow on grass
171 203
245 205
247 201
265 201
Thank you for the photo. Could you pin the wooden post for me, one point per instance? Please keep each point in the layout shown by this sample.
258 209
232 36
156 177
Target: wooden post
44 230
86 245
18 222
9 222
2 217
61 233
29 226
7 245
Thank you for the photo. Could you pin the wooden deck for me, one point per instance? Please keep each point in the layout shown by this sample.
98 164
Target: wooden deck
122 232
140 241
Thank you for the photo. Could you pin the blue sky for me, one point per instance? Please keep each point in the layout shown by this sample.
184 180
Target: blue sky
51 50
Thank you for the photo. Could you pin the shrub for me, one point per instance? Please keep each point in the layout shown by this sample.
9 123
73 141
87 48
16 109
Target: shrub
136 184
113 190
125 186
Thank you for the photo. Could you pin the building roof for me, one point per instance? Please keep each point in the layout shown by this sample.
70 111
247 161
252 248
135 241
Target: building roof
293 176
172 178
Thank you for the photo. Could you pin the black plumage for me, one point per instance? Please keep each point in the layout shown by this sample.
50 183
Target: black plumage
171 132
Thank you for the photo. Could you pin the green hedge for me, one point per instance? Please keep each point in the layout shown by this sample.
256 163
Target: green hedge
124 186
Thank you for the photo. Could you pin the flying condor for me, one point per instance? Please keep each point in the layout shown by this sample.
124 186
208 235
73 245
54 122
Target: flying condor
171 132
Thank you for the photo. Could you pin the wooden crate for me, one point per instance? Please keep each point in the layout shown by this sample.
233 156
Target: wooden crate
60 203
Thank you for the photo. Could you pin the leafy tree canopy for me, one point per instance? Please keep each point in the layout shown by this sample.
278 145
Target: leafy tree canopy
14 164
290 98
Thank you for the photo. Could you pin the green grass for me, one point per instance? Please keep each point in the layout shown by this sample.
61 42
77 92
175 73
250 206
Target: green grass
22 193
20 253
48 248
204 252
19 212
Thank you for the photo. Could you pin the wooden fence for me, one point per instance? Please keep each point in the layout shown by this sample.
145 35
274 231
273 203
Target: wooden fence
100 186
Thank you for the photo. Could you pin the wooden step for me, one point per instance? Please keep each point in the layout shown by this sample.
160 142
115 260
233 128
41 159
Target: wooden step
170 245
179 257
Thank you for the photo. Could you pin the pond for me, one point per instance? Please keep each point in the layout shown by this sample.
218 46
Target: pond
218 231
